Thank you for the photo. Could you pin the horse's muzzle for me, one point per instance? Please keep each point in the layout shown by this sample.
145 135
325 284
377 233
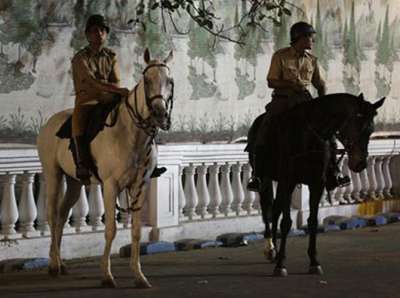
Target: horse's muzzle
162 121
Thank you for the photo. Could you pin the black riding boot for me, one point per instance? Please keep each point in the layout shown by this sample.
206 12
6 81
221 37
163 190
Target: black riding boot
254 183
334 178
82 160
157 172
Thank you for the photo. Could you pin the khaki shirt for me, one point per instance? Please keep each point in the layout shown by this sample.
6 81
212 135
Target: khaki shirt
287 64
88 69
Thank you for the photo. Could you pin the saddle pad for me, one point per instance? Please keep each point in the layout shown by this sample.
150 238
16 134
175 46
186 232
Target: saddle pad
96 123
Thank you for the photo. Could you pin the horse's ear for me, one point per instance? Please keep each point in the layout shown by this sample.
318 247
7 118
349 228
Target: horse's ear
169 58
379 103
361 96
146 56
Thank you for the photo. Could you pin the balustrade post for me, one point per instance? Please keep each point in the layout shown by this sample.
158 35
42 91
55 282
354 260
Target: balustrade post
237 188
214 190
226 190
355 177
349 188
371 178
80 210
337 193
338 196
27 207
387 190
181 195
324 198
9 209
96 207
364 184
190 192
380 183
256 203
202 191
42 223
249 196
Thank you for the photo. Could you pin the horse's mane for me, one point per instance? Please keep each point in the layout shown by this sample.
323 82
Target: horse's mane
330 102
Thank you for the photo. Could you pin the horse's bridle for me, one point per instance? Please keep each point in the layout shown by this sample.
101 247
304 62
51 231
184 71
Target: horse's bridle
347 144
146 123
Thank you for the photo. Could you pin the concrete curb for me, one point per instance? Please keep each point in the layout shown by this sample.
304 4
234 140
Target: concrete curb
148 248
23 264
238 239
189 244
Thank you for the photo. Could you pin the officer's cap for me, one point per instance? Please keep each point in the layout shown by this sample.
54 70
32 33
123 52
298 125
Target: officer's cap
300 29
97 20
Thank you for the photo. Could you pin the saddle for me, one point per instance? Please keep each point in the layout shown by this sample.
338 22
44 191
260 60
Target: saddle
96 123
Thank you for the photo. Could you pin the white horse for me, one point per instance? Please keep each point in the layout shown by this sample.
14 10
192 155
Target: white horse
124 156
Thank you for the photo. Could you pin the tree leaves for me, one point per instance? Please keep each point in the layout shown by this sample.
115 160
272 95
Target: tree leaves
205 16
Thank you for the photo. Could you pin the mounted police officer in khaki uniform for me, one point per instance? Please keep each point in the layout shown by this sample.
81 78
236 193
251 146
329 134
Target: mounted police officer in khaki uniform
292 71
96 77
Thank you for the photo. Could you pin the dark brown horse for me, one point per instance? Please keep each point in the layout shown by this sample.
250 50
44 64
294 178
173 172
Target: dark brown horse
297 151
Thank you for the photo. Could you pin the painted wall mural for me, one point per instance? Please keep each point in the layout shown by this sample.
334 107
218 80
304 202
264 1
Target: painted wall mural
220 86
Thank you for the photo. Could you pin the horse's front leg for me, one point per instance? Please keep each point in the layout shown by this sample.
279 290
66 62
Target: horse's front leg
111 191
137 193
315 198
53 184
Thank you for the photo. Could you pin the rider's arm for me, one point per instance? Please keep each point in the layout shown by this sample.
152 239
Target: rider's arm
114 78
275 76
79 64
283 84
317 80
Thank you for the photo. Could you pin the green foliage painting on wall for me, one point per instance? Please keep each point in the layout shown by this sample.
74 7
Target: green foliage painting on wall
357 44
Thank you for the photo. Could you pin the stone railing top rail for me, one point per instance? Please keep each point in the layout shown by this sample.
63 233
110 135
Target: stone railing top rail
20 158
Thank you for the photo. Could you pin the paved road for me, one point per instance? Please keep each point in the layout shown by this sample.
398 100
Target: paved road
359 263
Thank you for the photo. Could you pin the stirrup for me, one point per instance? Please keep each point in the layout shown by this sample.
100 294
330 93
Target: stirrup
254 184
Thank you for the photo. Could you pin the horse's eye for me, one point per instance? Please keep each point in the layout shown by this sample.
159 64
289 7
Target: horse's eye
359 115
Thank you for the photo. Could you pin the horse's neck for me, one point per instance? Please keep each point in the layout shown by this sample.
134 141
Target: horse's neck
125 129
322 118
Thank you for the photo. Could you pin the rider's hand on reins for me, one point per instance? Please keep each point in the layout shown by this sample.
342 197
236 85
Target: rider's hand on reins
124 92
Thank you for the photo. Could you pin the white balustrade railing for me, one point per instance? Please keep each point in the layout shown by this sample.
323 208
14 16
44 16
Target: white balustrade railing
203 182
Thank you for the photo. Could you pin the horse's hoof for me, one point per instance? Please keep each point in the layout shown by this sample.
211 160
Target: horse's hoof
280 272
270 255
108 283
54 272
316 270
64 270
142 284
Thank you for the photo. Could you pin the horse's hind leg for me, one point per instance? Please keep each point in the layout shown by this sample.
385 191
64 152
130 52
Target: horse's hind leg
283 198
266 200
71 197
110 194
315 197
